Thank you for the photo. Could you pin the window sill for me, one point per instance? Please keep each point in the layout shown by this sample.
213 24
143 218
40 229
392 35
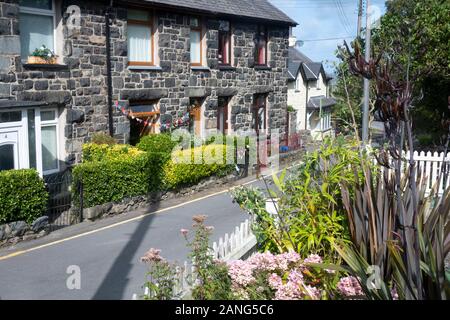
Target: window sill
33 66
226 68
200 68
147 68
263 68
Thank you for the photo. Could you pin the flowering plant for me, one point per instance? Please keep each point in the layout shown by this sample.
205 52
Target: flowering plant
44 53
282 277
212 279
161 277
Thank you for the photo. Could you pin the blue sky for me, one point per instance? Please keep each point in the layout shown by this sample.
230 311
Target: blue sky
321 19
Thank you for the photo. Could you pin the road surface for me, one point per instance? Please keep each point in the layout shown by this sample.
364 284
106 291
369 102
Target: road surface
108 252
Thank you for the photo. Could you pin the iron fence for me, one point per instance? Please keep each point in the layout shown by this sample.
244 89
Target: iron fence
61 211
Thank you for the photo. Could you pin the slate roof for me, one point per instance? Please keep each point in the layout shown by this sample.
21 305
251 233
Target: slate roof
293 67
297 56
314 102
310 69
257 9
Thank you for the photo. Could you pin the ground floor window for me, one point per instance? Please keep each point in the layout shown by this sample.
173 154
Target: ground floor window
325 121
223 125
29 138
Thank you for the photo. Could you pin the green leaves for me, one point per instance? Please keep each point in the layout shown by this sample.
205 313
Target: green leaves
22 195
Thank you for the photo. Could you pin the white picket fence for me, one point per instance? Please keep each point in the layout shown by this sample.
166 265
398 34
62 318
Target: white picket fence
430 165
230 247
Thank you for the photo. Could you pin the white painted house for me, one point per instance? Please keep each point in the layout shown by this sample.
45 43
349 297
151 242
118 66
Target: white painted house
308 94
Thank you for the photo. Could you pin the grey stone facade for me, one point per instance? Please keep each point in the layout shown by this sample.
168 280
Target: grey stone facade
79 86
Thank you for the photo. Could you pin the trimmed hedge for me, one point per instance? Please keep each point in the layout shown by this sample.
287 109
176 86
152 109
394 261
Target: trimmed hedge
111 179
22 195
112 173
100 152
157 143
188 167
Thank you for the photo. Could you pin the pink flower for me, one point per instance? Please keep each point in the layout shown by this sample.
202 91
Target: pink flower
275 281
349 287
210 228
394 293
241 272
152 255
184 232
313 258
263 261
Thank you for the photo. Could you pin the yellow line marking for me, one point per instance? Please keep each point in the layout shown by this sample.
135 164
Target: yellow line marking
18 253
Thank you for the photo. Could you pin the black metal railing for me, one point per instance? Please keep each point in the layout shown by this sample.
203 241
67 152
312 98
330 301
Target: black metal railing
61 211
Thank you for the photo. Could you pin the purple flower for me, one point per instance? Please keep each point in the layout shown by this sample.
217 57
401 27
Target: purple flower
349 287
313 258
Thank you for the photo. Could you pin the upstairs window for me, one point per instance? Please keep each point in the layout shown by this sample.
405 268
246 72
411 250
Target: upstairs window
261 46
196 42
140 38
224 55
36 25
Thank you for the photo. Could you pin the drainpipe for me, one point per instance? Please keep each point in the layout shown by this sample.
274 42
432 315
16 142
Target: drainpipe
108 68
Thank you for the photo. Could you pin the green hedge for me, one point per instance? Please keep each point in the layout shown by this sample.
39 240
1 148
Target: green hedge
100 152
157 143
111 179
111 173
184 170
22 195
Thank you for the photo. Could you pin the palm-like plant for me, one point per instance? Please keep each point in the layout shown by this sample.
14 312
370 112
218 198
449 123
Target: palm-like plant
393 225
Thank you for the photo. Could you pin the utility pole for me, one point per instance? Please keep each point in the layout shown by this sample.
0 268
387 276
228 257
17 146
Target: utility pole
360 12
365 124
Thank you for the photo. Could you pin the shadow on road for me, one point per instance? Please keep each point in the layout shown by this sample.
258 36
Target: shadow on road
116 280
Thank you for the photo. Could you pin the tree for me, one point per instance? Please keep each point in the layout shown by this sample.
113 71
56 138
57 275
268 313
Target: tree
417 33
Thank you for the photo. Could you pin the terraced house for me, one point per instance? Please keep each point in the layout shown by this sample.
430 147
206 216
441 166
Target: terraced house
207 65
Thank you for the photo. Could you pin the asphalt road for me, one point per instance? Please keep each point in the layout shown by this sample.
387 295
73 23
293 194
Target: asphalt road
109 258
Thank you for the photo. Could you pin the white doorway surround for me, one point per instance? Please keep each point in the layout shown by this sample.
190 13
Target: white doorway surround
30 138
13 140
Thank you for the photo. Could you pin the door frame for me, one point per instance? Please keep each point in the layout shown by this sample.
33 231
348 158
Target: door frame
21 127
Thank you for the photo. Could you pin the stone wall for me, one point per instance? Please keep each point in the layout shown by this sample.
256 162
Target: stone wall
14 232
79 85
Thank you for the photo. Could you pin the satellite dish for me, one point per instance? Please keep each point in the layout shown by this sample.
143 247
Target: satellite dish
299 43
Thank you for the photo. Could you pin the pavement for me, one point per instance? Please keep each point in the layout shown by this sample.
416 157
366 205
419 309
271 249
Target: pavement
106 253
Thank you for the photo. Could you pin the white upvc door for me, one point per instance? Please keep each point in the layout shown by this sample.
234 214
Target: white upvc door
9 155
13 139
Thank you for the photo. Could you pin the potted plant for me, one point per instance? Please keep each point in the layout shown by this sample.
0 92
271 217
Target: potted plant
42 55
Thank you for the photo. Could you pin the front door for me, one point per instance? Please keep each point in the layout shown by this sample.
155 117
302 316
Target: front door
9 153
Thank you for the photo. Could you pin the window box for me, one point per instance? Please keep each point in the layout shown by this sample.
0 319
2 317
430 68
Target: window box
40 60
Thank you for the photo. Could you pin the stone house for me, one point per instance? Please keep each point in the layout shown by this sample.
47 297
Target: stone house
309 94
206 65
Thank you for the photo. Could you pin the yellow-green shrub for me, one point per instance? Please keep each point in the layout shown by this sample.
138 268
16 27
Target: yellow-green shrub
99 152
187 167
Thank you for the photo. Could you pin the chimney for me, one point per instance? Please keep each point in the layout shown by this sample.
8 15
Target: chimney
292 38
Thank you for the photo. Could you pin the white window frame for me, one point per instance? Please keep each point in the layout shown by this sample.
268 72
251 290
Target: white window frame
41 124
44 12
298 82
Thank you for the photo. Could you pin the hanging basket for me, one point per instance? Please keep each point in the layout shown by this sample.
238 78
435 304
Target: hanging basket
40 60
